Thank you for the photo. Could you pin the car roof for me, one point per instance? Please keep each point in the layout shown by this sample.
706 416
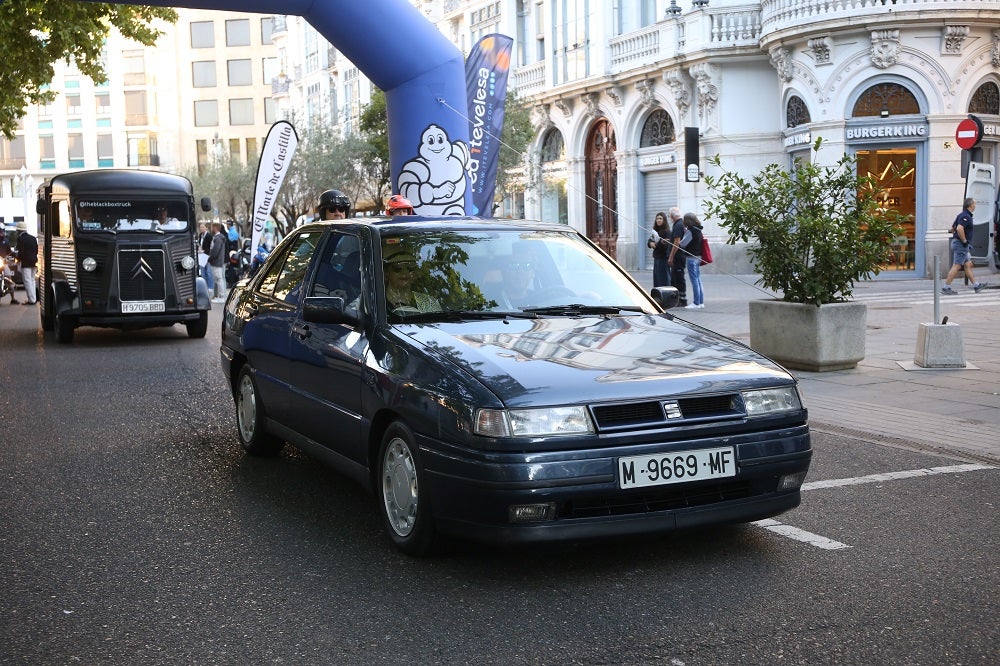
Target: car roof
404 223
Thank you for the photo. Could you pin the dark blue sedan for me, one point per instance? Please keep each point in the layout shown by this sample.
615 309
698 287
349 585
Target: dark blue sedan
505 382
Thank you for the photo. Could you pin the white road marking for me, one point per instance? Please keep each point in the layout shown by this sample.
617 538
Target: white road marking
829 544
800 535
892 476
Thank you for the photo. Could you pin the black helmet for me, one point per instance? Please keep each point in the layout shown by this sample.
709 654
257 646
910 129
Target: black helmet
333 199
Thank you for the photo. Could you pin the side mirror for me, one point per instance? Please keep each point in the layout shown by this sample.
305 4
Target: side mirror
328 310
667 297
41 207
206 204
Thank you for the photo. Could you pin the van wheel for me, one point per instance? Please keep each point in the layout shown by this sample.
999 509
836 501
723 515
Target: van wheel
402 491
197 329
65 326
250 418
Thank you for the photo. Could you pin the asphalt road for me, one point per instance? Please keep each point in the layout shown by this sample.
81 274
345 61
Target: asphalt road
134 531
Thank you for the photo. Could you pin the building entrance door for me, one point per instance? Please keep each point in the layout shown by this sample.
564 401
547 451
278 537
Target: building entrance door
602 186
900 194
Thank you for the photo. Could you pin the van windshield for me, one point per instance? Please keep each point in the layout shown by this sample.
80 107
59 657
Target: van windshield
127 216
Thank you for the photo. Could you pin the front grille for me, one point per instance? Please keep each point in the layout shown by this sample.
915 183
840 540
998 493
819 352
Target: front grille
651 412
141 275
665 499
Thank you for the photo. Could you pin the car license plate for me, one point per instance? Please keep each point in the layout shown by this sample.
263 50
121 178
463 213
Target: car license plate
661 469
143 306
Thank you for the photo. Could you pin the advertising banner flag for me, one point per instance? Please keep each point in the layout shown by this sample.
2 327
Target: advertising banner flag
275 158
486 80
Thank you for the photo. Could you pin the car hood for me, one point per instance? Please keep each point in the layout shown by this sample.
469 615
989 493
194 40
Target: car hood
559 360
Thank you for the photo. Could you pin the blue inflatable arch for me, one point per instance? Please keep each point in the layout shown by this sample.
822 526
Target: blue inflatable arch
422 74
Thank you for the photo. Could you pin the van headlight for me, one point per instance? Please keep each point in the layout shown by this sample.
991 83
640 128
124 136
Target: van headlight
187 263
533 422
89 264
769 401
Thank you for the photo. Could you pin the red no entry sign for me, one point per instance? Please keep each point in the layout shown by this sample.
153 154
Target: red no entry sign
968 133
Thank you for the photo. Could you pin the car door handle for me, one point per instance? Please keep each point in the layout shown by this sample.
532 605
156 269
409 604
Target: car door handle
301 330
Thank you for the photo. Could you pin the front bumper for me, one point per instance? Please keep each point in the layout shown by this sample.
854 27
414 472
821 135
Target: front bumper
471 492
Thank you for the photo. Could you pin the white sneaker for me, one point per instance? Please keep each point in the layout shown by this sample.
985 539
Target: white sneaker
691 307
700 306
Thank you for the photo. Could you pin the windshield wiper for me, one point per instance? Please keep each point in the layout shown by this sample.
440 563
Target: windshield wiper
460 315
579 308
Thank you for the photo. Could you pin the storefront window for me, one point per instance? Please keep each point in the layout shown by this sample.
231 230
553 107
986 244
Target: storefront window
897 193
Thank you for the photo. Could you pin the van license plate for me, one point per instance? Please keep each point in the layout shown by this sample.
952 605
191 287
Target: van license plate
676 467
143 306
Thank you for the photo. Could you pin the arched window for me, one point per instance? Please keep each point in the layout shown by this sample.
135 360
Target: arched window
658 130
986 99
796 112
553 148
886 99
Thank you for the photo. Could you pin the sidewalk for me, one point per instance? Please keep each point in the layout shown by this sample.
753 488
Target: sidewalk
949 410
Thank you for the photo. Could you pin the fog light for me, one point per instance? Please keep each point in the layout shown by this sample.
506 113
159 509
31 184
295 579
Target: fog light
89 264
792 481
187 262
529 513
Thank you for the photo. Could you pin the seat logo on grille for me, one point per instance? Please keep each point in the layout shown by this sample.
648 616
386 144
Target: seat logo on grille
142 268
672 409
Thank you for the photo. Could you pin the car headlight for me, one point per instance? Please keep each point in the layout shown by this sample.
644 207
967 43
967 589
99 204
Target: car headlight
768 401
187 262
533 422
89 264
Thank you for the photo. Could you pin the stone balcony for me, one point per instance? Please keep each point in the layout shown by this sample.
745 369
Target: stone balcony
755 28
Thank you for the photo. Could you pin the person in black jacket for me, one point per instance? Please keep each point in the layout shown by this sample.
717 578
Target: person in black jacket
217 262
677 259
27 254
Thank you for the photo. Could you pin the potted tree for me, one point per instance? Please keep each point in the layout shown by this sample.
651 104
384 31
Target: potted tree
813 230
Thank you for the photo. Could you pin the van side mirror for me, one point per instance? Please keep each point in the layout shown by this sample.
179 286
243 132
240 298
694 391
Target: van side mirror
206 204
40 207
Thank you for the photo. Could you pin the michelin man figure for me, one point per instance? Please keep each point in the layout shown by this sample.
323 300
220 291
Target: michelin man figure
436 180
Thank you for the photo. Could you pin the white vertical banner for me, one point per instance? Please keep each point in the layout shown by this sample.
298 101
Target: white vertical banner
275 158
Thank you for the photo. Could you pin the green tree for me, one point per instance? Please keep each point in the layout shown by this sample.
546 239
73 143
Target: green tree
374 167
515 137
38 33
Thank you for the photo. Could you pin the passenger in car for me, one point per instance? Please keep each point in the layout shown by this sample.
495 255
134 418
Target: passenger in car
518 276
400 271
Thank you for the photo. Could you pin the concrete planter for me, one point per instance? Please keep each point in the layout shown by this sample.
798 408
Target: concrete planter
806 337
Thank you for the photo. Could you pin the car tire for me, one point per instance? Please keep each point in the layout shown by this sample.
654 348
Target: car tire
65 328
402 493
250 417
199 327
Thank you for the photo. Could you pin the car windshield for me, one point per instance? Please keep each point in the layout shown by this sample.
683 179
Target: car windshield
106 215
430 275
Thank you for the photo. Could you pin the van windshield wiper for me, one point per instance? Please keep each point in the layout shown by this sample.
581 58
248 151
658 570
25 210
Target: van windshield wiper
579 308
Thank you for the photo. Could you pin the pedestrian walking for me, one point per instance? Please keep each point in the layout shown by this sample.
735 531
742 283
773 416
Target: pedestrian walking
961 257
691 247
27 255
217 262
676 258
659 241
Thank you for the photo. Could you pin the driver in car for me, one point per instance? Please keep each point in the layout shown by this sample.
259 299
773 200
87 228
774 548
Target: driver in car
400 272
